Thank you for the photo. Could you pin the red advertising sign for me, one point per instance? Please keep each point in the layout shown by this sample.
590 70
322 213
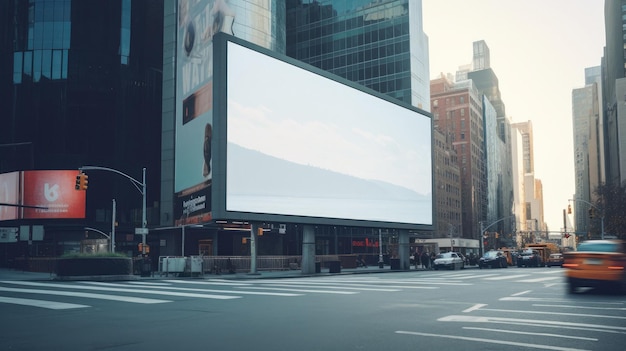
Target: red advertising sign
9 195
53 190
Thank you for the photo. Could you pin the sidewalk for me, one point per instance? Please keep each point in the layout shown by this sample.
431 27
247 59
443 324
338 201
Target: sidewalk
11 274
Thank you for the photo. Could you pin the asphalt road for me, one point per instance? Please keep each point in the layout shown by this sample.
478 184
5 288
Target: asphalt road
494 309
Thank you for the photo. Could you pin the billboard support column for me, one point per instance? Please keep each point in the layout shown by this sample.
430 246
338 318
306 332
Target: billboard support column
254 227
403 249
308 249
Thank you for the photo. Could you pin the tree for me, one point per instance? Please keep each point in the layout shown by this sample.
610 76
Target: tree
612 201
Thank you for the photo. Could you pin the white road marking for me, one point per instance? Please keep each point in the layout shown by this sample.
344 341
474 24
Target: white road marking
490 341
475 307
534 322
503 277
85 295
304 290
529 333
139 291
40 303
522 293
308 284
200 290
582 307
536 280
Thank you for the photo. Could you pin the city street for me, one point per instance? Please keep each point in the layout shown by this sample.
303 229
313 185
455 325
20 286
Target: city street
471 309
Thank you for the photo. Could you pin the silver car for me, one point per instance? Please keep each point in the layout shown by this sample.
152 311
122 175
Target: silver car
449 260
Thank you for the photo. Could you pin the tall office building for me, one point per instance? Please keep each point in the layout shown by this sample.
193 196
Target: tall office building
529 203
380 44
614 91
80 83
587 137
448 201
487 84
457 110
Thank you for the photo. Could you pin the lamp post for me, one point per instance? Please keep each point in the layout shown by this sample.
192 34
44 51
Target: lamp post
141 186
100 232
601 212
483 228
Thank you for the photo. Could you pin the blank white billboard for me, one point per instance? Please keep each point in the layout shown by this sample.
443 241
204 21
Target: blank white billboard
304 148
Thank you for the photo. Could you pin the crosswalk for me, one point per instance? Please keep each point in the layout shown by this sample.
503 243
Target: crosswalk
54 295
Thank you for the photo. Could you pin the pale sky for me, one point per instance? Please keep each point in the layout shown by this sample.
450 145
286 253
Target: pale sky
539 52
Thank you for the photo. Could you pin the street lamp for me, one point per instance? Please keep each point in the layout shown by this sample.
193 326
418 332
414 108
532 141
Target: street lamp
597 208
483 228
100 232
141 186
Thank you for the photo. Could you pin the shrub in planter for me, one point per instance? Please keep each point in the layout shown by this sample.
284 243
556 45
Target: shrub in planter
90 265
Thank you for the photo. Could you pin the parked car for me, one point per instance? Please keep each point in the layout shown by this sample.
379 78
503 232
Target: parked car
555 259
529 258
449 260
596 263
493 259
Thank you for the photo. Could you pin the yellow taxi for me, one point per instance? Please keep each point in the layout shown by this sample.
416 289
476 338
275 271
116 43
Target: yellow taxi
596 263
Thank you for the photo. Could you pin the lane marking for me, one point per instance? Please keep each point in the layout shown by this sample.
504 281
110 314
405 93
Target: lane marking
582 307
507 277
529 333
85 295
475 307
200 290
136 291
535 323
536 280
304 290
499 342
522 293
324 284
52 305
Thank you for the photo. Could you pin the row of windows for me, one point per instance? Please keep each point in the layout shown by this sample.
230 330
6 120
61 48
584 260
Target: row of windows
351 38
365 73
38 64
354 55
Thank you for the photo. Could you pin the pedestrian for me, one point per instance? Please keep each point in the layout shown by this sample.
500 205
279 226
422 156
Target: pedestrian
425 260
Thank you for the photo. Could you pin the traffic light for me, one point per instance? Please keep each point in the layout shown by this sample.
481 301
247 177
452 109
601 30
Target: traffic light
569 209
591 212
81 181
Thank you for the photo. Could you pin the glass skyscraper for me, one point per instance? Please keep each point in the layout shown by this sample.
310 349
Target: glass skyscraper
380 44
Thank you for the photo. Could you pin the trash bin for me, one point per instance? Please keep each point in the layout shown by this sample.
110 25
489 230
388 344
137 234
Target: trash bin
394 263
334 267
146 267
318 267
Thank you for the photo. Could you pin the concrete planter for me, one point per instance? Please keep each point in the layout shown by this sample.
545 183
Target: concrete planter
94 266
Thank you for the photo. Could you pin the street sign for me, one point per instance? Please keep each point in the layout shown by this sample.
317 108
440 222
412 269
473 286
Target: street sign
141 231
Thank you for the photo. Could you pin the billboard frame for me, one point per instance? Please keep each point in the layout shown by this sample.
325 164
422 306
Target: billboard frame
219 144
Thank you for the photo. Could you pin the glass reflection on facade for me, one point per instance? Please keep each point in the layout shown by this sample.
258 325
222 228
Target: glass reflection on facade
42 40
378 44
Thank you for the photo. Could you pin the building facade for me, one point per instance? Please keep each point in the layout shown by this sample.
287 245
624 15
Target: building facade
81 85
380 44
613 76
457 111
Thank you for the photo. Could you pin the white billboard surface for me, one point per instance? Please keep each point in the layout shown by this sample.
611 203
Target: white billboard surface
301 144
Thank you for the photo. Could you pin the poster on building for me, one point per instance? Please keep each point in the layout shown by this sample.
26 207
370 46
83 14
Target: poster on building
9 195
198 21
51 194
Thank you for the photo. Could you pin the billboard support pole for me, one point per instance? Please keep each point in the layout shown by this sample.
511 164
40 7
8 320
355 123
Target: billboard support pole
254 228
